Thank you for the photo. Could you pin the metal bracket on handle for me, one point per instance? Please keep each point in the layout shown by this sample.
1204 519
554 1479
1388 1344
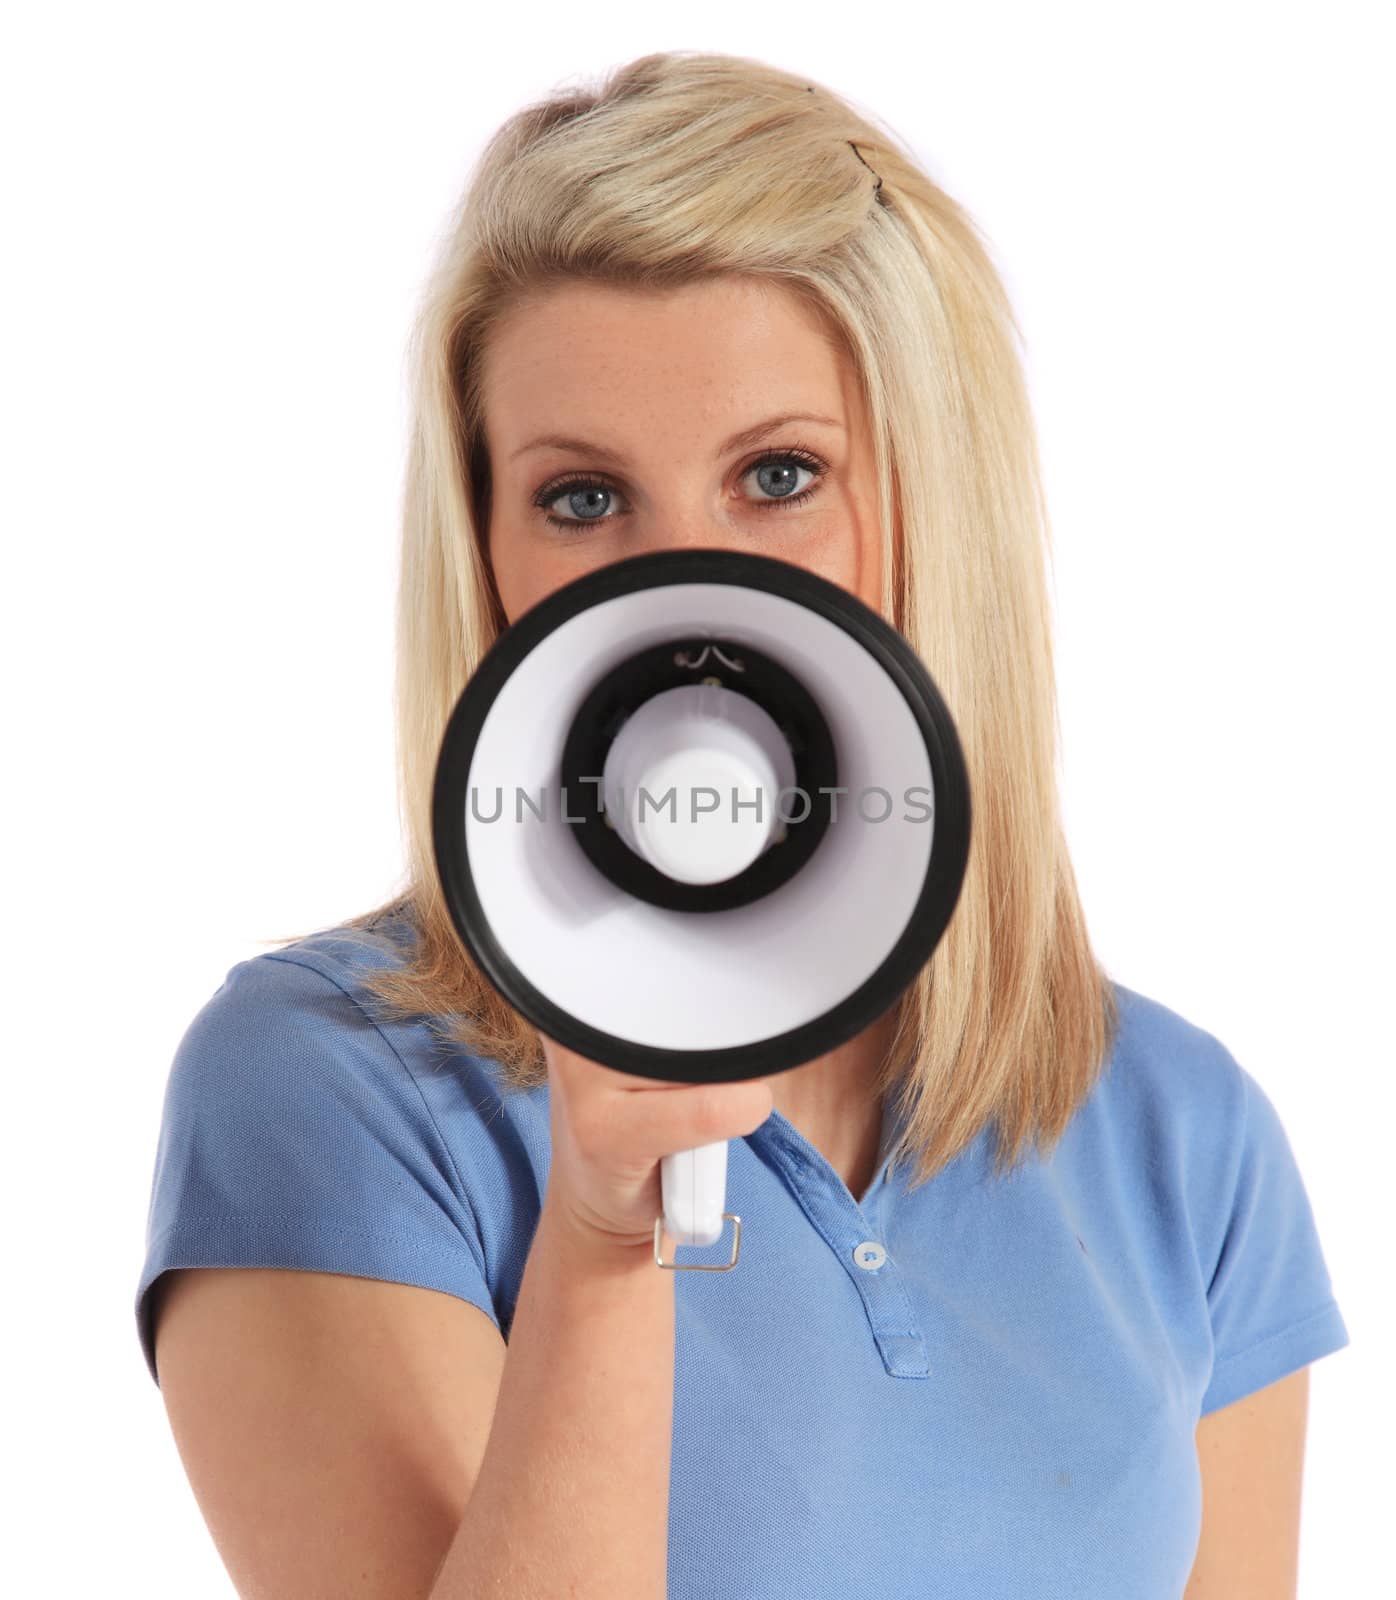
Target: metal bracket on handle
698 1266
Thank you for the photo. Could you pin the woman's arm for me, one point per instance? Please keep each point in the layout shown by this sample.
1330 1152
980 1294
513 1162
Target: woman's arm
572 1496
1251 1455
331 1427
344 1435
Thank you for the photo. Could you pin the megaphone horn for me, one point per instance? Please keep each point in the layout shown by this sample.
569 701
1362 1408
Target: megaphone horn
723 773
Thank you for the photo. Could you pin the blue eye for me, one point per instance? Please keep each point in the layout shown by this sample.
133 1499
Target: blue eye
578 484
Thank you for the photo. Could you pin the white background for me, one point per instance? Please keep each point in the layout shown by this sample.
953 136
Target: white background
217 223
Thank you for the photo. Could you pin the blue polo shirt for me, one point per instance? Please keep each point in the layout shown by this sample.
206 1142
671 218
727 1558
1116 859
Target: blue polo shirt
986 1387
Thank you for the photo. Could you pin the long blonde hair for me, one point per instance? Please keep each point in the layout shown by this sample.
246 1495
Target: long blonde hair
679 167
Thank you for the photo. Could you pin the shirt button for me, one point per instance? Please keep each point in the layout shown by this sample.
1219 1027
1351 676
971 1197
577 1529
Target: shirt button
869 1255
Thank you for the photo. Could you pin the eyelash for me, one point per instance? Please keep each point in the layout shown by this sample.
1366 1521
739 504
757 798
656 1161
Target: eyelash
798 453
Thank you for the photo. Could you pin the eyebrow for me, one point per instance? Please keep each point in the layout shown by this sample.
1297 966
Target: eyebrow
747 436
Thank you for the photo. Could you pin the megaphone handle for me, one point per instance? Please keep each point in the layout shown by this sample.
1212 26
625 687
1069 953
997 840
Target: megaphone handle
694 1184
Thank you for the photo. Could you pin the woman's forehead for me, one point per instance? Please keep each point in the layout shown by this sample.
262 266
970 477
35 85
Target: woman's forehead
603 366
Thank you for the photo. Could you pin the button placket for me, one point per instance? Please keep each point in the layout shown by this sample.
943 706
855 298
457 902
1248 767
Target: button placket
842 1224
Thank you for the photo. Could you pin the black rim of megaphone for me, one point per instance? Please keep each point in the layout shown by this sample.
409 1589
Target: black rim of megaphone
940 890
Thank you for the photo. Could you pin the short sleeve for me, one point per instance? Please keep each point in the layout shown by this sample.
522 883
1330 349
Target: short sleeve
294 1136
1270 1298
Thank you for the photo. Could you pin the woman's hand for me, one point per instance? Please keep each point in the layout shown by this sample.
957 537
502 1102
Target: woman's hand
610 1130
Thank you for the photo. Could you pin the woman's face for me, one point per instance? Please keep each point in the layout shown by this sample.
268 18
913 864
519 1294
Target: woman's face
648 389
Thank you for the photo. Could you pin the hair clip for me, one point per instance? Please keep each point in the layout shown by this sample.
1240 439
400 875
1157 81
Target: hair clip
877 187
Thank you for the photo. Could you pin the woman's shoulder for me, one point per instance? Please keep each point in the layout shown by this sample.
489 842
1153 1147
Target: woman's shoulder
342 956
1169 1070
314 994
1188 1133
1176 1105
291 1054
302 1128
300 1031
1169 1126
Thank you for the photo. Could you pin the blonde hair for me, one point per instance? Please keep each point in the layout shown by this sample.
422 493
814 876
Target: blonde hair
682 166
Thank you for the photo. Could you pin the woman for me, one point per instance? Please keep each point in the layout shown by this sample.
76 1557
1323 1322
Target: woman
710 305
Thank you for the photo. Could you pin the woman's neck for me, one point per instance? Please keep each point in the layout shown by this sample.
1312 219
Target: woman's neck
834 1103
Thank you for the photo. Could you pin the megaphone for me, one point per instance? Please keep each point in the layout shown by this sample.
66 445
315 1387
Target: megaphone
700 815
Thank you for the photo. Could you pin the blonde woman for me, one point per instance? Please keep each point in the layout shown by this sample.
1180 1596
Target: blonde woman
1031 1281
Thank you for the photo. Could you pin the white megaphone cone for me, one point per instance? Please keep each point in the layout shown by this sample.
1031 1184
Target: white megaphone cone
700 816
